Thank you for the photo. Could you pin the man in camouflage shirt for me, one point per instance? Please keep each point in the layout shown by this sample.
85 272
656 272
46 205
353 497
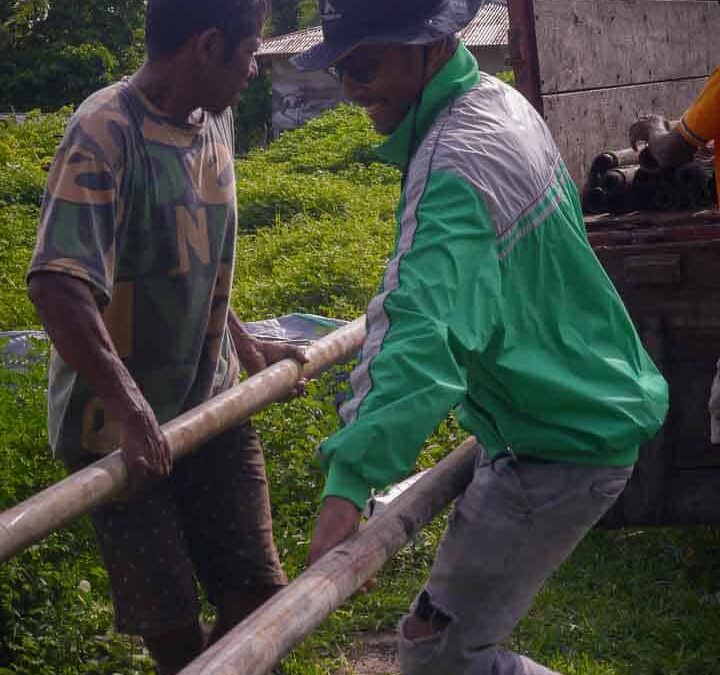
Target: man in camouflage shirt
131 277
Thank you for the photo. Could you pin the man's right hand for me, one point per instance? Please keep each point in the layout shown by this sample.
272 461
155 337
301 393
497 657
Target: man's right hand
145 448
338 519
86 346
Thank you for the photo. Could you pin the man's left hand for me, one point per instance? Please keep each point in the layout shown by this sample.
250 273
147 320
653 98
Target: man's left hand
256 355
338 520
264 354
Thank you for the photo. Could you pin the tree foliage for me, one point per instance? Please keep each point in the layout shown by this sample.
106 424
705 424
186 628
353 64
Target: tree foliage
284 16
56 53
291 15
253 115
308 14
53 53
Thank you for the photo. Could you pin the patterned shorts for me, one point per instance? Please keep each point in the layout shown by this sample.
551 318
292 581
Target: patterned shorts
210 520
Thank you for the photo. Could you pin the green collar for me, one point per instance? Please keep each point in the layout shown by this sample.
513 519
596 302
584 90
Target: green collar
458 75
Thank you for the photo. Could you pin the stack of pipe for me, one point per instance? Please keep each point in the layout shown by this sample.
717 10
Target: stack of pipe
626 180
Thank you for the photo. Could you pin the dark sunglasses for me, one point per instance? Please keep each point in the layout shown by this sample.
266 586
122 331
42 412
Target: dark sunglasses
362 71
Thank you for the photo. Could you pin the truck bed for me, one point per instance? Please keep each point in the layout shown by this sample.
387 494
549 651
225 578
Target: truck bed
666 267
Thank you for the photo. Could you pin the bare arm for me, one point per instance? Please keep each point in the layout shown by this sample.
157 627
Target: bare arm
71 317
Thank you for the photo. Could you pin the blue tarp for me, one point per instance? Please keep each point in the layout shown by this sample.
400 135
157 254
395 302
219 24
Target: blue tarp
16 347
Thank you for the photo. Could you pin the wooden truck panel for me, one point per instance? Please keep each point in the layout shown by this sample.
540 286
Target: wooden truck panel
592 68
670 283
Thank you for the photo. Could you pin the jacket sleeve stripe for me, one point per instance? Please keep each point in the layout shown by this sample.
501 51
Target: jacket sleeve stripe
378 322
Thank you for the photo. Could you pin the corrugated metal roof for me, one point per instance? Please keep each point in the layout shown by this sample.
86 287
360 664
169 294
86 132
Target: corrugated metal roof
489 28
292 43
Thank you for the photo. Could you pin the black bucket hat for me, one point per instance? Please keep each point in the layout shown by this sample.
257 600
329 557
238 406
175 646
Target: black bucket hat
349 23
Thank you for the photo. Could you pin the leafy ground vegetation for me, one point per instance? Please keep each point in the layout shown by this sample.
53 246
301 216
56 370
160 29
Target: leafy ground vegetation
316 212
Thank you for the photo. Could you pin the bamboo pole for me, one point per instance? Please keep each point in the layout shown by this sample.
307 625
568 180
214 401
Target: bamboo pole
260 641
79 493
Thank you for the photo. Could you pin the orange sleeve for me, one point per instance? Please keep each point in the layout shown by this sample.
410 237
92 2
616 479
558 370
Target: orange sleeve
701 123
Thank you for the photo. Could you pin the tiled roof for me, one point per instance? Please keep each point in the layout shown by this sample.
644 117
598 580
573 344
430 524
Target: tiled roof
489 28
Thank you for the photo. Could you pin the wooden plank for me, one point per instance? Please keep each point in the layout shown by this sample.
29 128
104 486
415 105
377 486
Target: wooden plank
689 392
584 44
695 337
642 501
652 218
586 123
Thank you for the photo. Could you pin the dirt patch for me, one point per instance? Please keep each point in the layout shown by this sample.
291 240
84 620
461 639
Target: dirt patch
372 654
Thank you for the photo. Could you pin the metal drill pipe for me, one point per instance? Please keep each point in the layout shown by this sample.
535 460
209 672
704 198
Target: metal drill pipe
254 646
81 492
616 179
613 159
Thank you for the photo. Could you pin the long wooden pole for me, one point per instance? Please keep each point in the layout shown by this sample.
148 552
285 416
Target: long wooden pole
258 643
79 493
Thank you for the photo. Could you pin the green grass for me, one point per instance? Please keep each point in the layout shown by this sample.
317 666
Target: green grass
633 602
17 241
317 214
55 612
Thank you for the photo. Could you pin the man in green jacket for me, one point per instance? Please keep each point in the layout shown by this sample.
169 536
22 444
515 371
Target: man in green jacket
493 305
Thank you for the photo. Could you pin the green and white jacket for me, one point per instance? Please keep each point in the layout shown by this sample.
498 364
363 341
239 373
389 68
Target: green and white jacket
493 303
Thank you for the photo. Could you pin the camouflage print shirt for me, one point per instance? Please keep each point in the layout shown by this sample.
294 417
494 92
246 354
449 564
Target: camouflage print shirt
144 211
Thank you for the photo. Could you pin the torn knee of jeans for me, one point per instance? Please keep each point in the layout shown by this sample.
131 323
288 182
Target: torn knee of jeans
428 609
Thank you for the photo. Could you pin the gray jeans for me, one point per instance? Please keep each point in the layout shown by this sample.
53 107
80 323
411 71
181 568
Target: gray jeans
518 520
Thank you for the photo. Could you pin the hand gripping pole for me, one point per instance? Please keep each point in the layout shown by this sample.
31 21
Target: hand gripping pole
254 646
79 493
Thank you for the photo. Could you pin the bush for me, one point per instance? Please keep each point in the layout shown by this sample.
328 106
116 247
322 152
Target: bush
330 266
333 142
70 74
82 69
330 202
253 115
18 225
54 604
270 196
40 133
327 167
56 53
26 151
